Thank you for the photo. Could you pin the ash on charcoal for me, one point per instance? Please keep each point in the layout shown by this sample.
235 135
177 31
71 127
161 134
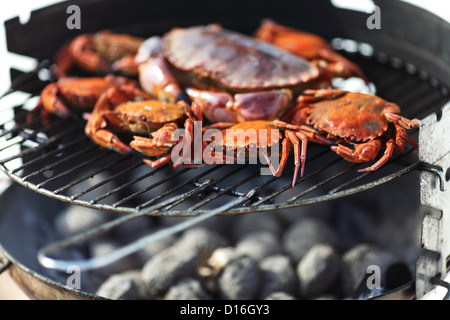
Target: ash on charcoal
179 260
239 279
356 263
318 270
304 234
220 258
277 275
123 286
187 289
259 244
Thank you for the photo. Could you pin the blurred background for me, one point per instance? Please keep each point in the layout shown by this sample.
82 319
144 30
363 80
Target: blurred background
22 8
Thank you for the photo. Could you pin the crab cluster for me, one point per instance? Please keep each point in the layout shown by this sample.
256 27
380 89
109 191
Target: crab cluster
278 81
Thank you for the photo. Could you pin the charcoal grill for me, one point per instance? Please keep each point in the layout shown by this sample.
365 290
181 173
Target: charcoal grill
407 63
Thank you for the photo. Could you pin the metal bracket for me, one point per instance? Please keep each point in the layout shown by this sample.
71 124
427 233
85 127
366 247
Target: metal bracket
434 150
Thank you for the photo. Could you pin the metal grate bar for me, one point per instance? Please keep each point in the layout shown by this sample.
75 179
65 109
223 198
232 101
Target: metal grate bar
137 193
82 164
196 178
109 179
57 163
49 153
115 190
323 182
17 126
349 182
225 176
77 181
48 142
286 187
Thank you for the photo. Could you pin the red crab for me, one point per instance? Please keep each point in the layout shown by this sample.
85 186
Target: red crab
118 111
247 138
359 123
311 47
68 94
233 77
99 53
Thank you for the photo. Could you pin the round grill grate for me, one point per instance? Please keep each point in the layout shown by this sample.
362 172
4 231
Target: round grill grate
59 161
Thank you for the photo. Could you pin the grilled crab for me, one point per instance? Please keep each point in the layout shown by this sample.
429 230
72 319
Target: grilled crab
66 95
99 53
119 111
360 124
263 136
232 77
311 47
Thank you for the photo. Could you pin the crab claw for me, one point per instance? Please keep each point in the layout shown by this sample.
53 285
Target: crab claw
95 130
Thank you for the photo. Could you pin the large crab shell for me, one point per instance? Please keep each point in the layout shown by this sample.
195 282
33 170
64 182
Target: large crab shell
210 56
356 117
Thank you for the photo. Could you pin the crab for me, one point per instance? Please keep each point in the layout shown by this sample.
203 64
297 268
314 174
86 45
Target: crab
119 111
360 124
238 140
169 138
243 139
69 94
231 76
99 53
311 47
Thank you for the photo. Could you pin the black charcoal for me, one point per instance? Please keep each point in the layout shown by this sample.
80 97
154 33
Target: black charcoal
259 244
239 279
318 270
123 286
277 274
187 289
180 260
304 234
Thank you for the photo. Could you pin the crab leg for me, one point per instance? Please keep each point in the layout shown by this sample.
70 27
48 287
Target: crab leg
159 144
283 160
365 152
299 153
105 138
402 135
390 147
340 66
402 121
52 103
96 125
311 133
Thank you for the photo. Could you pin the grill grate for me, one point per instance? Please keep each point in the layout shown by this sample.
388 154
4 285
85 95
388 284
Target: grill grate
59 161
